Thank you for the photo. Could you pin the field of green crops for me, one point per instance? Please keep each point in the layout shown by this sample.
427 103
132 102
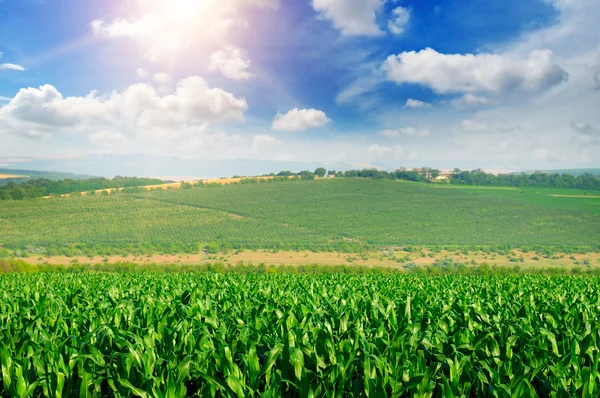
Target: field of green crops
175 335
307 214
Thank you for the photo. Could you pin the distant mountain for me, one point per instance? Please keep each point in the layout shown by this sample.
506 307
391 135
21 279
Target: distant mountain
573 172
37 174
163 166
577 172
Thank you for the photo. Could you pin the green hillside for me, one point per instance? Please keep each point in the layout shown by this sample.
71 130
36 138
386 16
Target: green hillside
325 214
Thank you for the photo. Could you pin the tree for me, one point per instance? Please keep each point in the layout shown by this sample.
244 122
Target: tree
320 172
306 175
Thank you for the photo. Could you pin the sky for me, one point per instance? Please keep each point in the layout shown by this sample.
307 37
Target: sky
504 85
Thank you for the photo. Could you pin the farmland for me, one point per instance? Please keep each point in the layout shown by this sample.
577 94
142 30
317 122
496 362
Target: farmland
293 335
5 176
343 214
302 288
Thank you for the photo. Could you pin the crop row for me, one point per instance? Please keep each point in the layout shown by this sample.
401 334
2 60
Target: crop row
342 213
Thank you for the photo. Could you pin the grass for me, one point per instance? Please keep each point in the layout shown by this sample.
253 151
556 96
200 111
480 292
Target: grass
571 199
300 215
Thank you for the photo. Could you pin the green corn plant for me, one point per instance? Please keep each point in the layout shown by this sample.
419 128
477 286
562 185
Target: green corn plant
251 335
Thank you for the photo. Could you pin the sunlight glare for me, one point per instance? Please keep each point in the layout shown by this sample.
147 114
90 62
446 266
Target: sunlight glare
187 10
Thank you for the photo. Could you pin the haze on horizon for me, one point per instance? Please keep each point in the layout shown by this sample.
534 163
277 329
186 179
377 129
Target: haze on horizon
511 85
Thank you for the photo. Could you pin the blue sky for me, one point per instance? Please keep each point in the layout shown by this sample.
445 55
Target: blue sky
499 85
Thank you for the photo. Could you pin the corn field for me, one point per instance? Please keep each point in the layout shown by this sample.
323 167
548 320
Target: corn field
176 335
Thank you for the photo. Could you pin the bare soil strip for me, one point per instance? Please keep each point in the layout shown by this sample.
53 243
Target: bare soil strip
475 187
172 185
4 176
381 258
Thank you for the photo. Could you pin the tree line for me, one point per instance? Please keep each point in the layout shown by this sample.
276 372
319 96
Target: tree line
45 187
537 179
459 177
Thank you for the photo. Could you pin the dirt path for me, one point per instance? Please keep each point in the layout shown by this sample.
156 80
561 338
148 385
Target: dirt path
399 258
4 176
170 185
576 196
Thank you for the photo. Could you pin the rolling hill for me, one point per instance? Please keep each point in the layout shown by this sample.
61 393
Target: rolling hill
342 214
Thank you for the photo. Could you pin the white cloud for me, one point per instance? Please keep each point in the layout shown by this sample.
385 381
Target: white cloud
545 155
405 132
137 110
351 17
141 73
162 77
4 99
450 73
485 127
400 18
416 104
300 119
471 100
379 152
263 141
11 67
230 63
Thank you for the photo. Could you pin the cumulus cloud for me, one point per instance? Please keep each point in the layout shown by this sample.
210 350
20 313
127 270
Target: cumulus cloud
230 63
138 109
452 73
377 151
399 20
11 67
405 132
416 104
485 127
351 17
300 119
